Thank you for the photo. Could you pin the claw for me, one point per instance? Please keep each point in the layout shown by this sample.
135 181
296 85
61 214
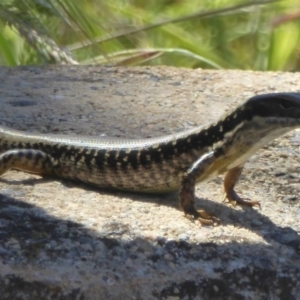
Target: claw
204 218
234 199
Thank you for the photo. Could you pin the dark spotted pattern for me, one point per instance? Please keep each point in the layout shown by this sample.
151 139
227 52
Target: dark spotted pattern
100 158
159 163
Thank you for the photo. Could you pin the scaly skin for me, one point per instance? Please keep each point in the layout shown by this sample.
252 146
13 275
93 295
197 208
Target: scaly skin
165 164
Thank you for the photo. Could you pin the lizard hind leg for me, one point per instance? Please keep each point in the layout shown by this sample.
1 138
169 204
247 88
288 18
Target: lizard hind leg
28 160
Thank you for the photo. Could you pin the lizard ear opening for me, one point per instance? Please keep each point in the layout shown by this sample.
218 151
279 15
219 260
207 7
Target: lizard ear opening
286 104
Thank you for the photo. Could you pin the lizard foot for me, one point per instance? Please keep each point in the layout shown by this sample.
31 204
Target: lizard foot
234 199
203 217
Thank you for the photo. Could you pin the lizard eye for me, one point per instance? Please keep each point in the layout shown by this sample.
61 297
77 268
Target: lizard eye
286 105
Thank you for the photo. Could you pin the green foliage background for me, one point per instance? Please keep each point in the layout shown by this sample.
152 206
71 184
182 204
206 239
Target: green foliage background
228 34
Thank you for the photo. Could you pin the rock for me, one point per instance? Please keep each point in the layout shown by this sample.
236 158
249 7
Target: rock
64 240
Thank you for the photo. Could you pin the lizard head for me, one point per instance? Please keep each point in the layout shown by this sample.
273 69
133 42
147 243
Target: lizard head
281 107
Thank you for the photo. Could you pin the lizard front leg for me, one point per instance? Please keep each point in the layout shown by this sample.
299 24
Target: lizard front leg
187 191
230 180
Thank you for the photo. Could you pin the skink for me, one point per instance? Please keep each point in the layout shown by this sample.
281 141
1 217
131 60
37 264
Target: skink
176 162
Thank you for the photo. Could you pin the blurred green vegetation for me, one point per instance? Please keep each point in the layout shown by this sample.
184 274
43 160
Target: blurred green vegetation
230 34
